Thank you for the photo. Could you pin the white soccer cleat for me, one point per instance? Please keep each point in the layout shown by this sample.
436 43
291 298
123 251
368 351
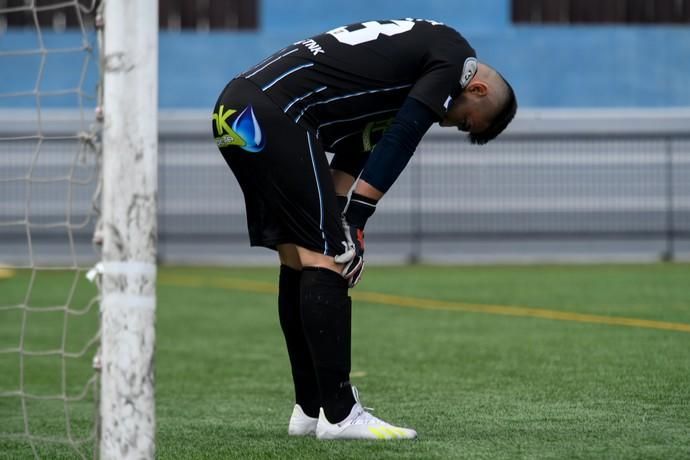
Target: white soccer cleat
360 424
301 424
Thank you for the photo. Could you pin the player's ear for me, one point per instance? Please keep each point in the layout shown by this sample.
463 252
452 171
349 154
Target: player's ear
477 88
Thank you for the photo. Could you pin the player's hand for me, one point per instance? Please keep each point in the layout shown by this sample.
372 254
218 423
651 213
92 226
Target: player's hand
354 215
353 258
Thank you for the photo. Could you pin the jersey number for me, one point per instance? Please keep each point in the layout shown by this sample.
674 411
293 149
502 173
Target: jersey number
370 31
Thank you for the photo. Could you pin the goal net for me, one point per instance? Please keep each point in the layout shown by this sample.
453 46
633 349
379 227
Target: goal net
49 188
58 167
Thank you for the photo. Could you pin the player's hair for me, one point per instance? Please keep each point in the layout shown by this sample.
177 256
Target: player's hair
500 121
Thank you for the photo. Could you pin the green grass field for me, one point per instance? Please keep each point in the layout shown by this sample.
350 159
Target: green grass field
485 362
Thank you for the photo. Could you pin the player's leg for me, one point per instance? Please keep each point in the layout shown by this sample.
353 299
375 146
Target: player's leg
325 305
251 157
311 215
307 399
326 313
305 199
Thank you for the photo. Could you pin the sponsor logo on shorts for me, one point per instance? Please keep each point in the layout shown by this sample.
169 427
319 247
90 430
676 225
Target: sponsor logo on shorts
245 131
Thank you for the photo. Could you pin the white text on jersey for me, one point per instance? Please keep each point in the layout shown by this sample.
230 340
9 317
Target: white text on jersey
312 46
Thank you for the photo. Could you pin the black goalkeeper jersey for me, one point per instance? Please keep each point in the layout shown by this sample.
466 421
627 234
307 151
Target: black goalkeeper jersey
347 84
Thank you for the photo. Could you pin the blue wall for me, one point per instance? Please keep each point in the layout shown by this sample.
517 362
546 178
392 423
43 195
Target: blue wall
548 66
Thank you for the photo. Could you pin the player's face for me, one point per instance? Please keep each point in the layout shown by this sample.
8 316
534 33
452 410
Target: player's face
466 118
469 111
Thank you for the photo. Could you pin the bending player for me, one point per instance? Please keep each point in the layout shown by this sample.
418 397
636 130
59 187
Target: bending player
368 93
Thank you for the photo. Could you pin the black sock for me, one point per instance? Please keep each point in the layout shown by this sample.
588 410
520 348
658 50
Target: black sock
326 314
303 375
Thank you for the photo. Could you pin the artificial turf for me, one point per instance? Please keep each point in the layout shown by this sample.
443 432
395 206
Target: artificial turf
475 382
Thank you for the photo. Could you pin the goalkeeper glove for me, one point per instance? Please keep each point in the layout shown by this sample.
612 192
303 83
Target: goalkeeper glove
354 215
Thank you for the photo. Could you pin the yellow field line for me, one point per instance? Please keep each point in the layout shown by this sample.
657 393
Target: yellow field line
238 284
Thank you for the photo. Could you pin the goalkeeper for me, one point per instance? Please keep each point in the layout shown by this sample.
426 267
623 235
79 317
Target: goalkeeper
367 93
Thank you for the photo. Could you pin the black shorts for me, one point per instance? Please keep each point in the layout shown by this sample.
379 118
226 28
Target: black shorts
282 170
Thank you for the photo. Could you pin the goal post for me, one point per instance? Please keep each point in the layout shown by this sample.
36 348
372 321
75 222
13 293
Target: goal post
130 143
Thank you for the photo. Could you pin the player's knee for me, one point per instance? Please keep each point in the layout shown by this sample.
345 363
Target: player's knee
309 258
288 255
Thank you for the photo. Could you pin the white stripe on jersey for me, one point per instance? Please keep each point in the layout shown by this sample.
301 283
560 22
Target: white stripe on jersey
286 74
359 93
318 90
318 187
352 119
269 63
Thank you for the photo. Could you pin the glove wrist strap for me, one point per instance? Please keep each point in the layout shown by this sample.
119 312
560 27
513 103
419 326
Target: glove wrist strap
359 209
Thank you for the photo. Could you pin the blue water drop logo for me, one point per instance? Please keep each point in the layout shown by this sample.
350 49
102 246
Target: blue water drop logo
249 130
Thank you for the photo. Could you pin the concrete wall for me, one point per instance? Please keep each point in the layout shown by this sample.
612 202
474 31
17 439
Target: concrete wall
549 66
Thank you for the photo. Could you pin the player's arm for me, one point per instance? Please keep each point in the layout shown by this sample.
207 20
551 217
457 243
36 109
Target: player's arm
386 162
345 168
342 181
388 159
394 150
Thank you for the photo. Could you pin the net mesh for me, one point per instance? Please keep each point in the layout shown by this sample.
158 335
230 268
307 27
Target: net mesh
49 182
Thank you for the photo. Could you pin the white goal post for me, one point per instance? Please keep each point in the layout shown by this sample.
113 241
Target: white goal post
130 143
